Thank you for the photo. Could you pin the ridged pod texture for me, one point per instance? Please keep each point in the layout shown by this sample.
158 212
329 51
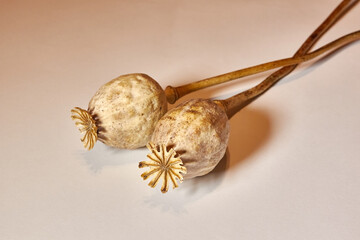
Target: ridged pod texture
198 130
127 110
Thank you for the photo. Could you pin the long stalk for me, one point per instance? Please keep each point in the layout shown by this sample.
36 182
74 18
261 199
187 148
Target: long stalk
235 103
174 93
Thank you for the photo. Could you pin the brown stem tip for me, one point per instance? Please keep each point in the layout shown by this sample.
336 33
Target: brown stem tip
163 164
86 124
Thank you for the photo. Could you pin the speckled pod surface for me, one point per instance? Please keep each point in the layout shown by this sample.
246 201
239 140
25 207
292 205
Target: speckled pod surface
127 109
198 130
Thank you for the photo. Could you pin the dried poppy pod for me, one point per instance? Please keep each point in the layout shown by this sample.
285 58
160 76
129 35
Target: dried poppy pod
124 111
191 139
197 131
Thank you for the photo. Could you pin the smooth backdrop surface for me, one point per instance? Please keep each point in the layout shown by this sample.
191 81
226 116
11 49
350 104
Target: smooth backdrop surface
292 168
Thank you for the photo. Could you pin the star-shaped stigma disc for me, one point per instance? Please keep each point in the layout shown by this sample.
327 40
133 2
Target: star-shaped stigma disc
86 124
163 165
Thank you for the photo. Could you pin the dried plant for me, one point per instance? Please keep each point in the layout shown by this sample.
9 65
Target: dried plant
196 126
129 106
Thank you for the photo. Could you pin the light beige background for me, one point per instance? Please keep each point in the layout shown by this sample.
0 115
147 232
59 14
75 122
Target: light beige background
292 169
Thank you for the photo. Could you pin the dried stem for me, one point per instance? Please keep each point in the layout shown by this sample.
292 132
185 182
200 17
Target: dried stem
174 93
234 104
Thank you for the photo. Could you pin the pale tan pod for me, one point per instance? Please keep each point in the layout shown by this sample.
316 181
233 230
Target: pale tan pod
198 132
126 110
